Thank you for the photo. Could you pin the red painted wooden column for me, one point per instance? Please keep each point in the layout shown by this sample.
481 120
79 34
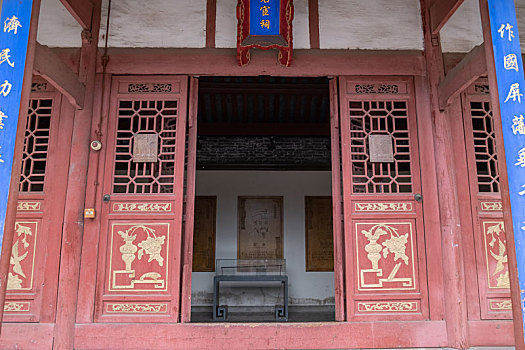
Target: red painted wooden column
17 161
504 182
189 211
453 270
73 227
337 201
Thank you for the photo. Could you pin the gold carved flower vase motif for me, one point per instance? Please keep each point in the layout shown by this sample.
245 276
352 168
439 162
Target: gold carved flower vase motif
385 256
138 257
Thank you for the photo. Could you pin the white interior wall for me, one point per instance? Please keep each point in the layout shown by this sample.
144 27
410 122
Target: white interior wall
305 288
463 30
344 24
56 27
371 24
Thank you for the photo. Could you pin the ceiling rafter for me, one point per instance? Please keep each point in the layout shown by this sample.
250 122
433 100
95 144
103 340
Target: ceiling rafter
81 10
440 13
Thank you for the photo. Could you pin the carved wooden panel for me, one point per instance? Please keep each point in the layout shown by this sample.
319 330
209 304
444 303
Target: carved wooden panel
384 227
36 145
319 234
138 257
22 264
489 258
385 255
260 228
33 269
204 234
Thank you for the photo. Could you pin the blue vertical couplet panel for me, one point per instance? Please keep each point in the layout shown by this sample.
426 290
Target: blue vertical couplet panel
14 36
511 89
265 17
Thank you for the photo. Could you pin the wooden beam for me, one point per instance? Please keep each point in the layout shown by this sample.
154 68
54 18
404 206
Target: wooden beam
264 129
81 10
440 13
57 73
313 20
471 67
211 22
305 63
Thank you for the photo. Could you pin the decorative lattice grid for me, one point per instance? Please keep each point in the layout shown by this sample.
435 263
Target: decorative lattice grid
387 118
145 116
36 145
484 146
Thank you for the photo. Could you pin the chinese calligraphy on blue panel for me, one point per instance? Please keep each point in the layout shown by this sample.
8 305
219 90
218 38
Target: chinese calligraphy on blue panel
14 35
264 17
511 87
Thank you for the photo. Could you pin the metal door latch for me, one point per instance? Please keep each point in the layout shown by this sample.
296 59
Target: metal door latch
418 197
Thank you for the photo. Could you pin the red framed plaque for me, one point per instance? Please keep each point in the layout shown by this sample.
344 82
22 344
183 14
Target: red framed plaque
264 24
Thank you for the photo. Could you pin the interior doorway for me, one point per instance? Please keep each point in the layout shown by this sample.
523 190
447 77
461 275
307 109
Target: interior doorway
263 192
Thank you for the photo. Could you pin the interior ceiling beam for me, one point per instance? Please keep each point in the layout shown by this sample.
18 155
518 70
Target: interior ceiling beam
81 10
440 13
264 129
50 67
466 72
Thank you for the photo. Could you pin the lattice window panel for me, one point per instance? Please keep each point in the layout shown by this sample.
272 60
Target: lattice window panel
145 116
484 146
380 117
36 145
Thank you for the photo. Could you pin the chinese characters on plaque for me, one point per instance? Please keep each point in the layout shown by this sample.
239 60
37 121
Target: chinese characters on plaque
14 35
510 81
260 228
264 24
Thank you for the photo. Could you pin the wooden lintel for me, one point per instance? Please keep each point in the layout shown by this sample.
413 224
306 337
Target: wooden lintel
218 62
440 13
57 73
81 10
471 67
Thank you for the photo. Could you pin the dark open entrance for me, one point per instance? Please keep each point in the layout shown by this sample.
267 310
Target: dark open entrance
263 191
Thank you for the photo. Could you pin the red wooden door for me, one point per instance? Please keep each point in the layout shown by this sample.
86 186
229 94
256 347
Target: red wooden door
490 244
140 251
384 236
33 270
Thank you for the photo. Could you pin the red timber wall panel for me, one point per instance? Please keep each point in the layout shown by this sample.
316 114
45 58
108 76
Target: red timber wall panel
140 246
384 229
490 244
33 271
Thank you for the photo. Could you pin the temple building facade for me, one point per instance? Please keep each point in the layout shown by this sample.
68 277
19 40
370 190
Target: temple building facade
193 177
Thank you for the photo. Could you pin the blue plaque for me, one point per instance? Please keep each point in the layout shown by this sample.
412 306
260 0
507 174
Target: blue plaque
264 17
511 88
14 36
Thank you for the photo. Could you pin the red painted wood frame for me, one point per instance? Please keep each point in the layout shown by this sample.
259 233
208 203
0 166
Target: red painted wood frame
141 225
386 272
267 42
33 272
489 240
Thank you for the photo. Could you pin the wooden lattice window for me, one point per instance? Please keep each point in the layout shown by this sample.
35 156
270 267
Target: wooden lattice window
484 146
145 116
36 145
386 118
